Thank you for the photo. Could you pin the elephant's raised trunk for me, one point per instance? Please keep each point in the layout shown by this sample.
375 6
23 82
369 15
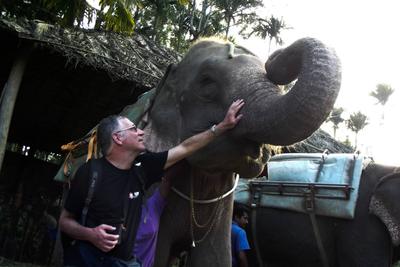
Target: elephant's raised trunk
292 117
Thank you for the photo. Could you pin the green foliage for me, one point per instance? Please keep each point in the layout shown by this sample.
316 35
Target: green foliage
382 93
31 9
336 116
178 23
336 119
116 15
356 123
236 11
269 27
347 142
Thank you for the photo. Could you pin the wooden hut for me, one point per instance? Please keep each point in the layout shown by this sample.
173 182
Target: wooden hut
56 84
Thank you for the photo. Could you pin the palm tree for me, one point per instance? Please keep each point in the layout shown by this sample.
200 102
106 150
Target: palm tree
117 15
271 28
233 10
356 123
347 141
63 12
382 94
336 119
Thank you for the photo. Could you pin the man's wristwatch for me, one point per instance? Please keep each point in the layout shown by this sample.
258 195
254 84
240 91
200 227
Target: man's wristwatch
213 129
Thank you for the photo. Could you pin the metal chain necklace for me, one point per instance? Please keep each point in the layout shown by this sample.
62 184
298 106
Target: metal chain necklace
193 221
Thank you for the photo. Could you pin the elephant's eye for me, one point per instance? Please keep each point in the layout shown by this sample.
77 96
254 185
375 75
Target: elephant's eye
207 88
205 81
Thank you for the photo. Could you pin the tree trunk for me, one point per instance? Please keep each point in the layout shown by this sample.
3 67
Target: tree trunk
355 140
9 95
227 27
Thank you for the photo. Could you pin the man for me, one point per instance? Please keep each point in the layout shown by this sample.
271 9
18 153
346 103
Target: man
239 243
114 213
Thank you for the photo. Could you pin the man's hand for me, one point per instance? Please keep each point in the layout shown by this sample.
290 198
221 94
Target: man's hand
194 143
231 117
103 240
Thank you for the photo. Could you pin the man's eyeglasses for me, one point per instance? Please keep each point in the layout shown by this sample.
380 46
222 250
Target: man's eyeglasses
130 128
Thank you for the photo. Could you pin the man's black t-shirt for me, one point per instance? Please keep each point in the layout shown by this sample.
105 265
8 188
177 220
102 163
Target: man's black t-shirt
114 188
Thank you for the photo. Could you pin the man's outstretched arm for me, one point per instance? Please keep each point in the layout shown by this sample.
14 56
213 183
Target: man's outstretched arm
194 143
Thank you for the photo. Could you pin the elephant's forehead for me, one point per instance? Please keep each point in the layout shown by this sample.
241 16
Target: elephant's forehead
197 56
213 49
212 52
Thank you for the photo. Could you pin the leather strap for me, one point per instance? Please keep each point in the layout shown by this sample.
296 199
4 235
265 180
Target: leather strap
310 206
254 204
95 171
320 245
254 235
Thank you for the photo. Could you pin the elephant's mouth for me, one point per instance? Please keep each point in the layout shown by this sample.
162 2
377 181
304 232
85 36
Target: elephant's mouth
255 150
254 158
242 156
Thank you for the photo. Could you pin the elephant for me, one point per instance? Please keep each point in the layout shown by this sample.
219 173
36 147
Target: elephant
286 238
194 95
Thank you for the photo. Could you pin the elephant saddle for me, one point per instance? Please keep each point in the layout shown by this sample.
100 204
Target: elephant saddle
324 184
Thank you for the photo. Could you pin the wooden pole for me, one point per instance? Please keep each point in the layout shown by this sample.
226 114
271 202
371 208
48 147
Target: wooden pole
9 95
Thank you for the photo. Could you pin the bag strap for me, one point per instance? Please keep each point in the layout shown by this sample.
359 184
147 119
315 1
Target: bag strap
139 173
254 235
255 197
95 174
141 176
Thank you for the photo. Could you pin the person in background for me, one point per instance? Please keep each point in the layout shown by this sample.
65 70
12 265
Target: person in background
152 208
239 241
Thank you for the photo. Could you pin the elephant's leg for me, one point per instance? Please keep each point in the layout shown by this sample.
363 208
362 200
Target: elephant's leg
164 243
174 229
211 253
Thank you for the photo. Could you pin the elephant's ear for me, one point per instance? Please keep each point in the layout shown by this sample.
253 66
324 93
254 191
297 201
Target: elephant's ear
385 204
163 129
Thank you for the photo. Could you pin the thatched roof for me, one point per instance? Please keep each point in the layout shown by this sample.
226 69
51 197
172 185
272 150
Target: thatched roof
319 142
133 58
75 77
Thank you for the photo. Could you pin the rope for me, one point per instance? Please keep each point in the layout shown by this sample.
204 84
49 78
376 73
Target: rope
207 201
92 147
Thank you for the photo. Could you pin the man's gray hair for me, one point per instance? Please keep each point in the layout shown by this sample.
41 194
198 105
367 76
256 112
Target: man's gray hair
106 128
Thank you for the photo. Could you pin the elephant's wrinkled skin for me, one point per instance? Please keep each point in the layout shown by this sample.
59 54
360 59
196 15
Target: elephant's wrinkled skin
287 239
196 94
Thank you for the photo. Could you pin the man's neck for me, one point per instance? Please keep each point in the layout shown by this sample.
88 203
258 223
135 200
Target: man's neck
122 161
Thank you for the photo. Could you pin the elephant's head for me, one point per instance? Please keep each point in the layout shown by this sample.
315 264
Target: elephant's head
198 91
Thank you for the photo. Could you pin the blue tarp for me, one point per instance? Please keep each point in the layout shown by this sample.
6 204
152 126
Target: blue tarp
338 169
